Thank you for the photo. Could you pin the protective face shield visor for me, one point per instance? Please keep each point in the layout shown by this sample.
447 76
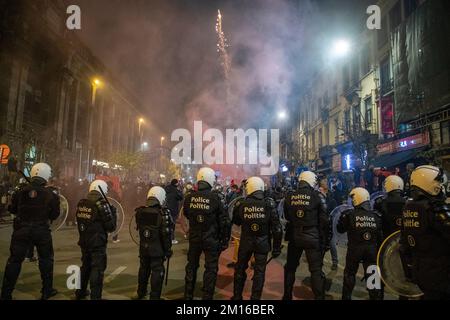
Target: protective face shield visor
442 180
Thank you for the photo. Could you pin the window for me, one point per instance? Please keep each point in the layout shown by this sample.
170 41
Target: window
395 16
368 111
445 132
327 134
383 33
313 142
347 121
320 138
385 75
356 117
410 6
365 60
336 128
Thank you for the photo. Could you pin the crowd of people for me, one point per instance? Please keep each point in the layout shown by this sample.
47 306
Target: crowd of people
423 220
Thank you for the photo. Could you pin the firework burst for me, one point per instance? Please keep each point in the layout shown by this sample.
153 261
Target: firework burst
222 45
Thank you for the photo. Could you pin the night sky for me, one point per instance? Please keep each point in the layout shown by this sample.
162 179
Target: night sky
165 52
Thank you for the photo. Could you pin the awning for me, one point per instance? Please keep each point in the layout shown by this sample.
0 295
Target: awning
394 159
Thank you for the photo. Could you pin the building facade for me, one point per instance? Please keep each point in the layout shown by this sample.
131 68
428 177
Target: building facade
58 102
387 102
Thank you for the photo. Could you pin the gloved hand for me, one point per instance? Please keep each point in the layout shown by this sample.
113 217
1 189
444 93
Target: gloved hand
276 252
169 253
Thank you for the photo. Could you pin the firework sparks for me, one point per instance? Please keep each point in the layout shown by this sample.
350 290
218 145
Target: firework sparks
222 45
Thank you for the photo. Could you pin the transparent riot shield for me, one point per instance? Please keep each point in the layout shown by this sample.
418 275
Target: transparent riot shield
375 196
120 215
339 238
64 212
392 264
280 210
134 233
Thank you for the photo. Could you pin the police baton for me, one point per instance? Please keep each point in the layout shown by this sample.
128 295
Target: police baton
271 258
167 270
23 175
104 197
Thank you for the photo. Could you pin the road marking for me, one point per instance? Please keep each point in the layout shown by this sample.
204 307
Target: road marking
114 274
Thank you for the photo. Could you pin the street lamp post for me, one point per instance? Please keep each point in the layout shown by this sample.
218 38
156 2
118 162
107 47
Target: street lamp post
96 84
140 123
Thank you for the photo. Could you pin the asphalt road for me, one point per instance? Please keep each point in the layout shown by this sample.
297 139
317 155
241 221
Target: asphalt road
123 264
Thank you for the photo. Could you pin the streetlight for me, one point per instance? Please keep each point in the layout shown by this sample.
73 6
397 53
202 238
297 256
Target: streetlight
282 115
162 140
96 83
141 122
341 48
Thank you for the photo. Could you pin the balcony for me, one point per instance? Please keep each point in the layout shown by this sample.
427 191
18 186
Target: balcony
352 94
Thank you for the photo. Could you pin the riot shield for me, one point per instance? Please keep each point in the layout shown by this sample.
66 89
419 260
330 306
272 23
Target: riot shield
392 265
339 238
132 227
375 196
235 230
120 216
280 210
55 225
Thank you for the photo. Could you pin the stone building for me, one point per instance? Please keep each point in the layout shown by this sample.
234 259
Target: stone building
58 102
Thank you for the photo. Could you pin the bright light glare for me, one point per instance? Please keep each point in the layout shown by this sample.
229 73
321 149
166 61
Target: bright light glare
341 48
282 115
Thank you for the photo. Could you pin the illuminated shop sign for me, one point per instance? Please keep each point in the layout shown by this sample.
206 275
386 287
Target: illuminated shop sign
105 165
412 142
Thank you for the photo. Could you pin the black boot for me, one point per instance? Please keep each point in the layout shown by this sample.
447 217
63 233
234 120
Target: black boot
81 294
48 294
289 280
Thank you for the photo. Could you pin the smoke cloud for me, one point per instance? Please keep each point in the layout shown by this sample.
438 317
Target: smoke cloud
165 51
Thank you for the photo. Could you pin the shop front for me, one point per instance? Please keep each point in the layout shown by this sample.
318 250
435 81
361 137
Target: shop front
399 152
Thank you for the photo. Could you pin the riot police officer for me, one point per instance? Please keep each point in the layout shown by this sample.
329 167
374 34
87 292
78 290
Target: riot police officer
307 230
34 206
259 222
391 206
363 227
209 232
95 219
426 233
154 226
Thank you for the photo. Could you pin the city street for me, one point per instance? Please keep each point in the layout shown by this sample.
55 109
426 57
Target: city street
280 116
123 264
